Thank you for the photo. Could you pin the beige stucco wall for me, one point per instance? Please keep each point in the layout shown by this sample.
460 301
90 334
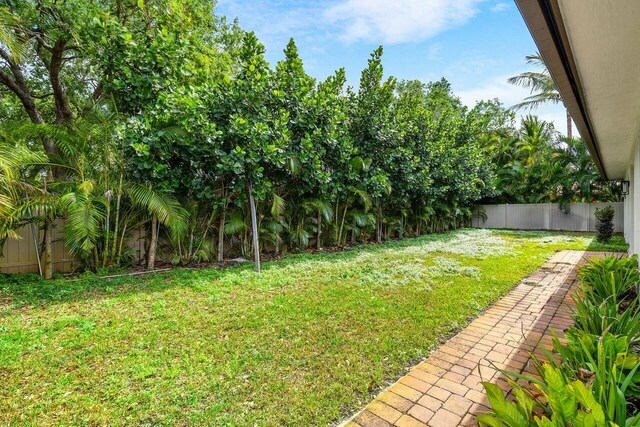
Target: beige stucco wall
629 209
634 199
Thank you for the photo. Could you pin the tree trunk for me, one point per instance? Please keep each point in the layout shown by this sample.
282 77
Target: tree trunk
221 233
244 237
151 255
336 217
569 127
344 216
117 221
48 249
121 244
318 243
96 260
254 229
18 85
107 226
379 225
63 111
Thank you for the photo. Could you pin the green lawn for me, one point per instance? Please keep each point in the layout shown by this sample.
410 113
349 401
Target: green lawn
304 343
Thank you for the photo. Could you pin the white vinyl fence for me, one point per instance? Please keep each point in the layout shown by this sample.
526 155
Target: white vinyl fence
546 216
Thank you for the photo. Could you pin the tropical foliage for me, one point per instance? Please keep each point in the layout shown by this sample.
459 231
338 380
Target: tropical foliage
594 377
541 85
604 224
158 120
533 164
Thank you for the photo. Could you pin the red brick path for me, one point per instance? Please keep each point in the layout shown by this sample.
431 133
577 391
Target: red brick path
445 390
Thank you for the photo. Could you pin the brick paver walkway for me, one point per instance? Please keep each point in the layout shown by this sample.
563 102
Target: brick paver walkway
445 390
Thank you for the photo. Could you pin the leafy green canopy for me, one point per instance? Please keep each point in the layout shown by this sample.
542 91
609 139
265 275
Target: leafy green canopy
533 164
194 123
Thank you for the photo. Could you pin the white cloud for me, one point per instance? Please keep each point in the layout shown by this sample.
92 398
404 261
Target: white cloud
273 21
399 20
510 95
500 7
496 87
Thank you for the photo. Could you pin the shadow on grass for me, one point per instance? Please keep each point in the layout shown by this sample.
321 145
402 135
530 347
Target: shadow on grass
19 290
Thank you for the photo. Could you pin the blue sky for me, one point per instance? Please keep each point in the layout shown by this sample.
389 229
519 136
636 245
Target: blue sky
475 44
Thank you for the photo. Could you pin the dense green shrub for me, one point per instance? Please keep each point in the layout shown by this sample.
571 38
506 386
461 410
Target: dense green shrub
244 157
604 224
609 278
607 316
605 360
558 401
592 386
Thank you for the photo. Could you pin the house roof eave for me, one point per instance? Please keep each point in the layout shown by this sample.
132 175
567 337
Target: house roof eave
544 20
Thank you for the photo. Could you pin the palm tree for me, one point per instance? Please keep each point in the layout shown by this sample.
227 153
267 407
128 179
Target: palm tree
25 198
579 175
99 205
534 137
524 171
542 88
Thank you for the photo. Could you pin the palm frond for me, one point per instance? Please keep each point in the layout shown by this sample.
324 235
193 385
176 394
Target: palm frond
540 83
365 198
532 80
84 213
534 101
325 209
294 164
273 227
160 204
535 59
360 219
14 156
8 37
235 224
319 205
278 206
359 164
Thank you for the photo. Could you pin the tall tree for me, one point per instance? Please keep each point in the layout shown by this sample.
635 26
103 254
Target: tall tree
374 133
57 58
254 132
542 87
34 61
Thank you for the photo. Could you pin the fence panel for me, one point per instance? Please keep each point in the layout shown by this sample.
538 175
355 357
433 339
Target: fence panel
527 217
576 219
496 216
20 256
547 216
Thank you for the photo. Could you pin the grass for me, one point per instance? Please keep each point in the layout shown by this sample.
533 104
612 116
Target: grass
304 343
